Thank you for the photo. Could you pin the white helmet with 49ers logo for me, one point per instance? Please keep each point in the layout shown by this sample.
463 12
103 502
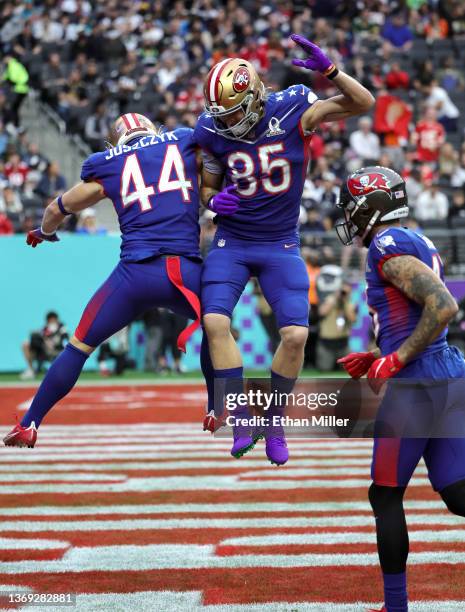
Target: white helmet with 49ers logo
232 86
130 126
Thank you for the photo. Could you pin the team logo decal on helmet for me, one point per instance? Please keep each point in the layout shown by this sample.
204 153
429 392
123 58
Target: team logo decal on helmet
366 183
241 79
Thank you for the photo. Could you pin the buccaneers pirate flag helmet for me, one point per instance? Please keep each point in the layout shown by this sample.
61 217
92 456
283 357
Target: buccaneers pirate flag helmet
369 197
233 88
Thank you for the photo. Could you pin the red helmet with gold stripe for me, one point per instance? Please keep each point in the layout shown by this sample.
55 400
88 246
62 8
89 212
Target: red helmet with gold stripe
234 97
129 126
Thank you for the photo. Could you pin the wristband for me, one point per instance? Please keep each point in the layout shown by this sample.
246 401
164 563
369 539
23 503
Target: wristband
61 207
209 201
331 72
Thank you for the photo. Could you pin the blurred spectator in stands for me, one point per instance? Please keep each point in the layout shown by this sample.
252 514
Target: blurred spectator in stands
413 185
397 34
117 349
436 29
337 314
313 222
364 144
87 224
44 344
391 123
96 128
191 97
429 136
457 208
312 262
54 76
450 77
6 226
448 160
438 97
16 77
397 78
16 171
172 325
10 201
267 317
52 183
431 204
153 339
4 139
458 177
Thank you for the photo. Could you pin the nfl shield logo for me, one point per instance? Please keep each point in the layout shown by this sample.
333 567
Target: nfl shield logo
221 242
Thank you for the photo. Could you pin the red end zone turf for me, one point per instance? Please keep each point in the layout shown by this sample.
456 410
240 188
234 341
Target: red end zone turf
127 503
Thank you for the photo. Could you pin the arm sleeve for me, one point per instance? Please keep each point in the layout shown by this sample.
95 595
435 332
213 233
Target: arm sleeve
211 164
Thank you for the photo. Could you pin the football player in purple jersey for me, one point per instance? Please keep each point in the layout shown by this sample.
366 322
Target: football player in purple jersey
410 307
256 152
151 178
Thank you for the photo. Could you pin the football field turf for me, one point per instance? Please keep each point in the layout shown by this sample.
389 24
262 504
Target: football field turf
128 504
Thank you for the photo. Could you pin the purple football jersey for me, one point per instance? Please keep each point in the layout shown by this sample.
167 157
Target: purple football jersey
152 182
394 315
268 165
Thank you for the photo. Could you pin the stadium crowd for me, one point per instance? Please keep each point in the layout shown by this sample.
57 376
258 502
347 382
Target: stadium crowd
92 61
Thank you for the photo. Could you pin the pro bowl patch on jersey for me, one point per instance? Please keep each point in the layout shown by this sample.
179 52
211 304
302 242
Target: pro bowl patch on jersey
361 185
383 242
274 128
241 79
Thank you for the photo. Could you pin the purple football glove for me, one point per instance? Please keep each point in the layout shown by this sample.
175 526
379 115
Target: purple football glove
225 202
35 237
317 60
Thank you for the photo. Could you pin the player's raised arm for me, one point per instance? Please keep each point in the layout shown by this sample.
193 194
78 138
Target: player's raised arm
354 98
419 283
77 198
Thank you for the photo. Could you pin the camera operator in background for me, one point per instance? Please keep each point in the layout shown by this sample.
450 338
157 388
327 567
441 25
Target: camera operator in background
337 315
44 344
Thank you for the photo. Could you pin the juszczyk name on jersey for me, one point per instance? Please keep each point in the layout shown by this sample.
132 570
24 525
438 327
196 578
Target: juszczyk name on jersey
145 141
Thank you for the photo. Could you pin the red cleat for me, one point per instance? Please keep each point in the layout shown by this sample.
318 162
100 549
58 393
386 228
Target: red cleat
209 422
21 436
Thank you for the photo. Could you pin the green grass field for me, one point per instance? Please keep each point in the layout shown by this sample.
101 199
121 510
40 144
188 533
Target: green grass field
136 375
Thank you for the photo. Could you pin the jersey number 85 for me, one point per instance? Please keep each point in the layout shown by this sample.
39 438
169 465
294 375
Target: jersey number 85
243 171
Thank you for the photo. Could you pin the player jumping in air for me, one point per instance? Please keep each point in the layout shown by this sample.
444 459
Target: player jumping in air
256 152
411 308
151 178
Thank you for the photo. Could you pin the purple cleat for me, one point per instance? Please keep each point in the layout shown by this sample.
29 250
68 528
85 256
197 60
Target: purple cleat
244 439
276 450
242 445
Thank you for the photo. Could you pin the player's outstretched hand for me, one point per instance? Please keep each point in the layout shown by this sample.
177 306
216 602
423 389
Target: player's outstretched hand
317 60
357 364
383 368
225 202
35 237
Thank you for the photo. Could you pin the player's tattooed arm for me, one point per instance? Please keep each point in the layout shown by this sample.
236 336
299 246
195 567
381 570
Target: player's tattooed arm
354 99
74 200
210 185
420 284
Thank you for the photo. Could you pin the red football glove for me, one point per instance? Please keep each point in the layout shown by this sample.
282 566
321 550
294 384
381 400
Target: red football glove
35 237
357 364
382 368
